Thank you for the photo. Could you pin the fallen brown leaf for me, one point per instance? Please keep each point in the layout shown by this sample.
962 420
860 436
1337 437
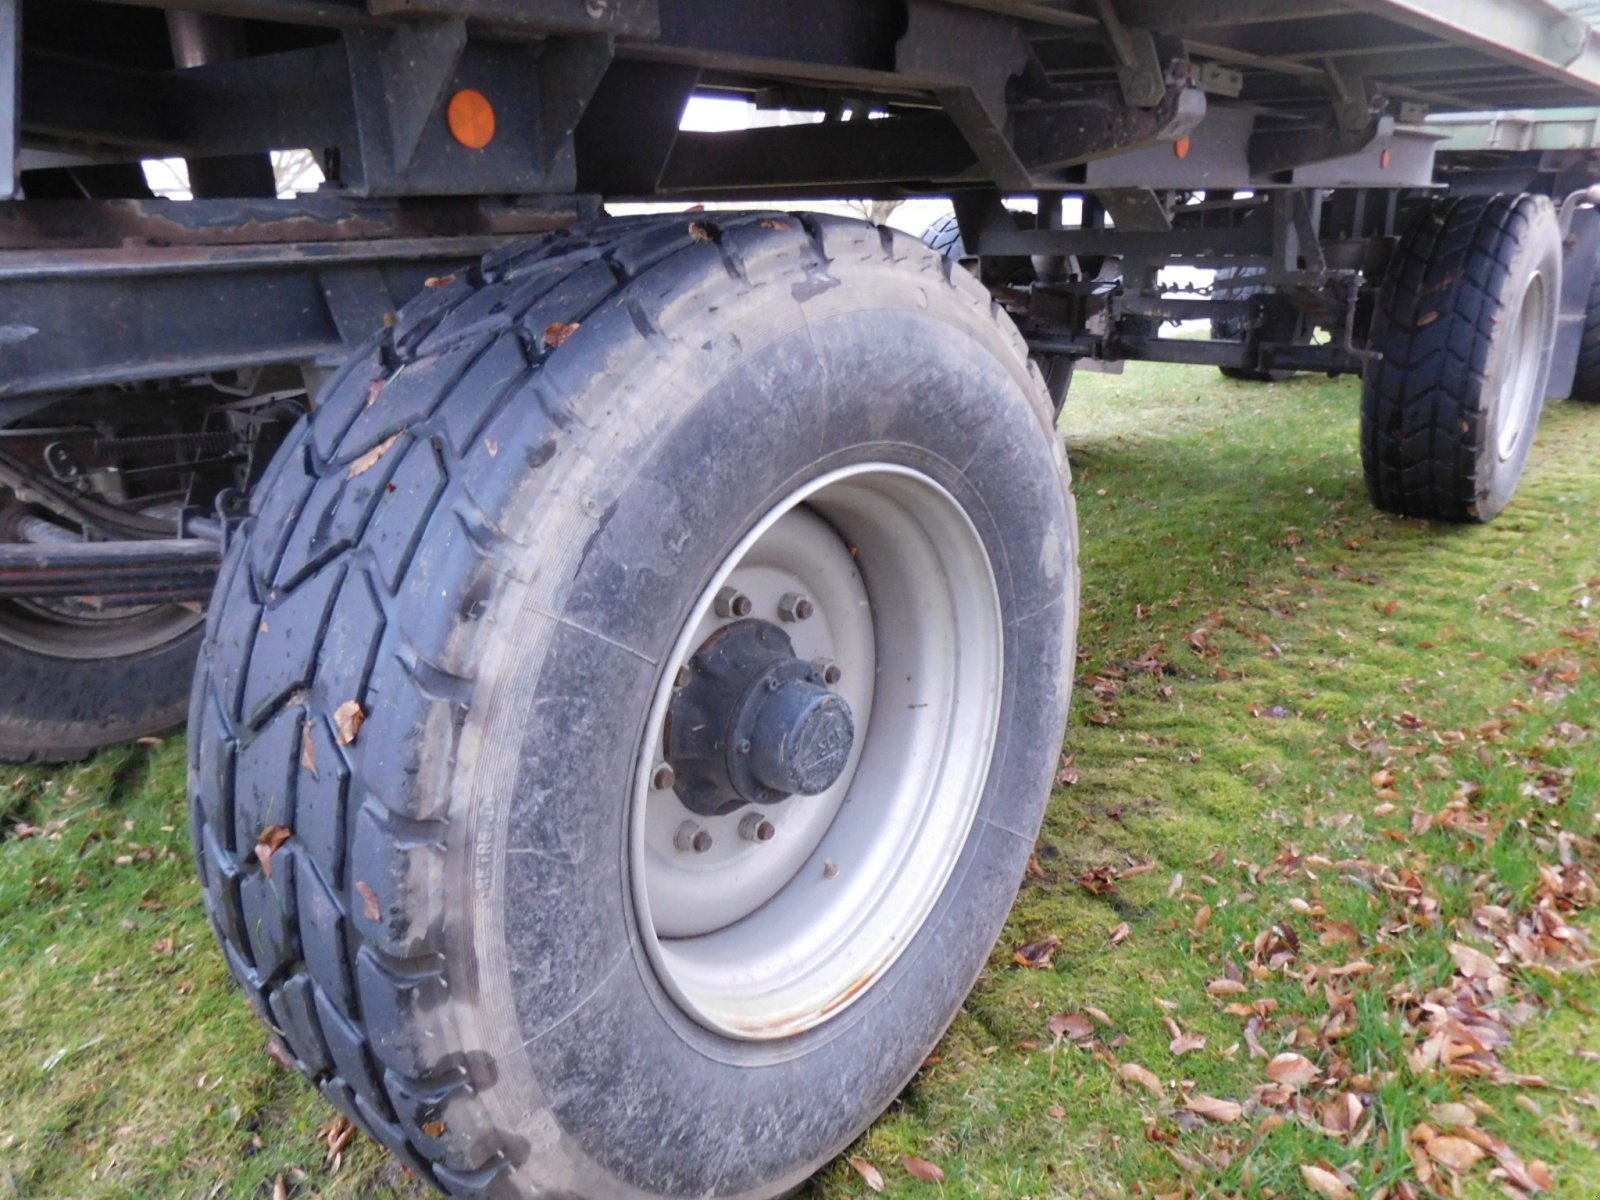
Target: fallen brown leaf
1144 1077
1038 955
1074 1026
557 334
1187 1043
347 721
370 459
1213 1109
1457 1153
1325 1183
267 845
369 901
921 1168
870 1175
1293 1070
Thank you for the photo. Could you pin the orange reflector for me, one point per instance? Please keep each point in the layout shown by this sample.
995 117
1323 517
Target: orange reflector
1383 161
1181 147
471 118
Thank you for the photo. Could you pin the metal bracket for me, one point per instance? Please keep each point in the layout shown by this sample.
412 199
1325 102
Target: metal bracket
417 66
1139 72
1080 125
969 58
1354 106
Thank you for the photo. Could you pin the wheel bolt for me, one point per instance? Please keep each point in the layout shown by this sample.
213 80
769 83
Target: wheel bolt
828 670
664 777
753 827
731 602
691 837
795 607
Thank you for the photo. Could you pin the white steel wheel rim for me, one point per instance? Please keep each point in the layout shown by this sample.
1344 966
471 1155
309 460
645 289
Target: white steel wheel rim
1523 368
762 940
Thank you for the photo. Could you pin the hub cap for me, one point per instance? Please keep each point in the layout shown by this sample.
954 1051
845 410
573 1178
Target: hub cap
816 751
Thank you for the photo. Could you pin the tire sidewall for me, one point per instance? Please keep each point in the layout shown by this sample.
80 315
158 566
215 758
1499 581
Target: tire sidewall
820 366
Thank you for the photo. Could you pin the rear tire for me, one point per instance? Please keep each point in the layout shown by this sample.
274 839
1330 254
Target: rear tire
1465 322
496 535
72 683
1586 383
1229 329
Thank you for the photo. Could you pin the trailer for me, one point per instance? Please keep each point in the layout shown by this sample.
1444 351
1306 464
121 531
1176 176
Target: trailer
626 656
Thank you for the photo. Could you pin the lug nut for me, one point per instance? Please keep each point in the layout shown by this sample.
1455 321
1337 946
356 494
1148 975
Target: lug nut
691 837
828 670
664 777
753 827
795 607
731 602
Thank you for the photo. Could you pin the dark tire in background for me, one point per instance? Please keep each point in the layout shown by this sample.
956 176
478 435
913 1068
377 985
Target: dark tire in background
943 235
1586 383
75 679
1233 283
511 926
1465 321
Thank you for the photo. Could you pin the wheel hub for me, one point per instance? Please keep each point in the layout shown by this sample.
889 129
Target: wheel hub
753 723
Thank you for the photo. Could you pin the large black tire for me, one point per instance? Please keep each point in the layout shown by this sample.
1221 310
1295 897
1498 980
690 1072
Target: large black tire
1465 322
943 235
73 683
1586 383
487 538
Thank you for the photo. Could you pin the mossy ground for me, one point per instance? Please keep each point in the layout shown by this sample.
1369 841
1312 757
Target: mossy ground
1257 648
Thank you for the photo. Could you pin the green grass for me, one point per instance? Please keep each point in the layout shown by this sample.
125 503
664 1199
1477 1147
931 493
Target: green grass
1333 644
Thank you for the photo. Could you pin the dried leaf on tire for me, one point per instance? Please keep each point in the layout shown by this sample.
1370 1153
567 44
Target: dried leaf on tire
1325 1183
370 459
267 845
1038 955
557 334
308 749
369 901
921 1168
1144 1077
1293 1070
434 1128
870 1175
1213 1109
347 721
